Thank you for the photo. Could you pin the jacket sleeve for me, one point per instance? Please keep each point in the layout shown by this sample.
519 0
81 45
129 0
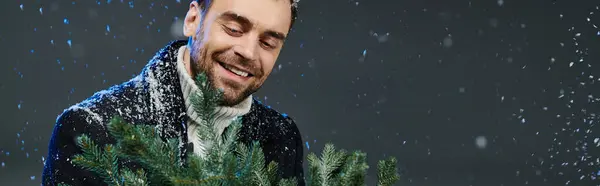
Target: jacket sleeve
295 154
58 168
299 158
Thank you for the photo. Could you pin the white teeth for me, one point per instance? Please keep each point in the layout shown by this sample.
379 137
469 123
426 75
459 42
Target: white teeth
239 73
236 71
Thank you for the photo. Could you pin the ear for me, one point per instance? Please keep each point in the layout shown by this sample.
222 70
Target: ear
192 20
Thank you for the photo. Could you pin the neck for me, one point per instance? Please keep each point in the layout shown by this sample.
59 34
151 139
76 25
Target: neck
186 59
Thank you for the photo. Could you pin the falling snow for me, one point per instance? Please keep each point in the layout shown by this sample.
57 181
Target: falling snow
481 142
391 56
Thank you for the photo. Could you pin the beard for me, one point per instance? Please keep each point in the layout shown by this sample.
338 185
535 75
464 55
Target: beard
203 62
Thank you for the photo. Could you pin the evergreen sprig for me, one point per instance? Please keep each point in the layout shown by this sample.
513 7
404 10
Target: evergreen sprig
339 168
227 161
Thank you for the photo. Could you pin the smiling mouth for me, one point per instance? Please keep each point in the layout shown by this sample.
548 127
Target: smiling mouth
235 70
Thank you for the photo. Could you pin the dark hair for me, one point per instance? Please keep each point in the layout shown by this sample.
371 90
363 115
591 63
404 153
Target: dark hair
205 5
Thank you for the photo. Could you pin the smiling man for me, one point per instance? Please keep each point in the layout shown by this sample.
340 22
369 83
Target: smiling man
234 42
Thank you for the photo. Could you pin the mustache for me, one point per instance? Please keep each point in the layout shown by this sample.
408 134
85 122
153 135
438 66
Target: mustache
252 66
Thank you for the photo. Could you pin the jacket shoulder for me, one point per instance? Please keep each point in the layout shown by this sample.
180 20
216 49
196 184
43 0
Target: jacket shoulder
76 121
70 124
88 117
126 100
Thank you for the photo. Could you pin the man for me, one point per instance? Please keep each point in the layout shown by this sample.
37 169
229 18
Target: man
234 42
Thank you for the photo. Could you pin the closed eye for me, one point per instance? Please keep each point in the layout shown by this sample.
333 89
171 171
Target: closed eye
267 44
232 31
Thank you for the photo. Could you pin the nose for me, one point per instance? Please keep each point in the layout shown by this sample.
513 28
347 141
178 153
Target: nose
246 48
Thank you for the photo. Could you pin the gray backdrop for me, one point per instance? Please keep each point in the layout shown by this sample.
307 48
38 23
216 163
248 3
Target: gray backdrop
462 92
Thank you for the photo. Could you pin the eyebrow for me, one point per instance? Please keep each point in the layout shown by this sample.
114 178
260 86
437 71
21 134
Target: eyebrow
231 16
277 35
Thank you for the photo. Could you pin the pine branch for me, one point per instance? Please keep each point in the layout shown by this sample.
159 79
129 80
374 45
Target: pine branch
258 175
227 150
227 161
354 170
94 159
248 170
336 167
220 162
242 153
271 173
331 161
111 163
314 169
141 144
212 180
387 172
229 170
137 178
204 102
288 182
195 168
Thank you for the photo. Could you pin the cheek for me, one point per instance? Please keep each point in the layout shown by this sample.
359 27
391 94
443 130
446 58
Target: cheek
268 63
217 36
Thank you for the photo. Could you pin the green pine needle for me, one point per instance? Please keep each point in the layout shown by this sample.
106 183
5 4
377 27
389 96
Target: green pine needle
387 172
228 162
137 178
354 169
336 167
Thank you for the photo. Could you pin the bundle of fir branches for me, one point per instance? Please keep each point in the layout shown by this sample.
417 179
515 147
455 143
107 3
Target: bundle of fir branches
227 162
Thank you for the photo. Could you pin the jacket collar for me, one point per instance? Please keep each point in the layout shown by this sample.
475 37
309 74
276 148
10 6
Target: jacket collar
166 106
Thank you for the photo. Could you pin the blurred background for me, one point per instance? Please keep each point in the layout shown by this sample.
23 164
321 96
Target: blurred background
469 93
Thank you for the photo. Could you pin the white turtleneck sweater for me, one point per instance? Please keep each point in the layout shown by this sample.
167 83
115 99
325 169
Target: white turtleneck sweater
223 115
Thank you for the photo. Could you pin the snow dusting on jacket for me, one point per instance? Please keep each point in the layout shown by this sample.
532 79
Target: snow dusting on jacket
154 97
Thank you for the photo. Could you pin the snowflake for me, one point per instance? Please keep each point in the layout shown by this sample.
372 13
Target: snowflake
295 3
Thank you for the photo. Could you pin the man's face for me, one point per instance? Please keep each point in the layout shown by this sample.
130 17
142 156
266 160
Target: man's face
237 43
